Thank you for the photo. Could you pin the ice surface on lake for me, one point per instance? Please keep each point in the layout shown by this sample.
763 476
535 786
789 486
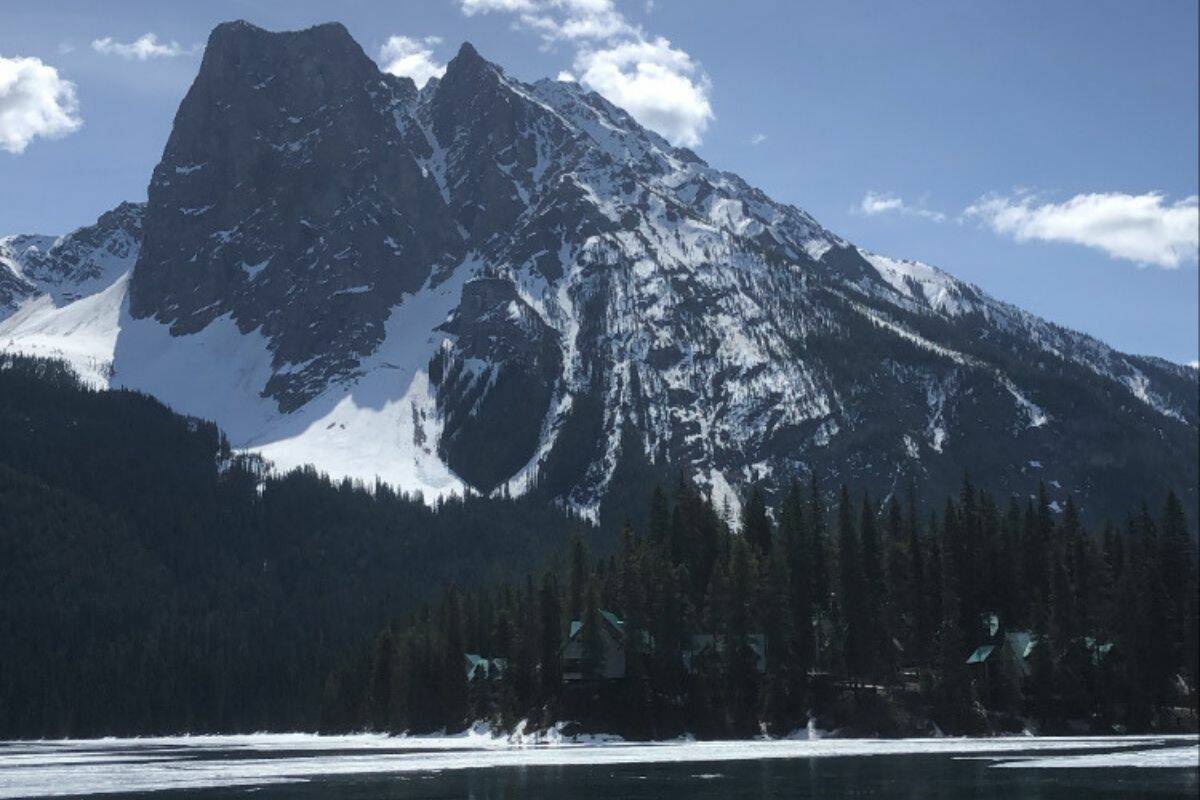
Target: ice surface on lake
1156 758
59 768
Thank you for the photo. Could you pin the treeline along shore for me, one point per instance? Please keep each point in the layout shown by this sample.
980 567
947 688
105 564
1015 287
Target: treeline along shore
154 581
868 618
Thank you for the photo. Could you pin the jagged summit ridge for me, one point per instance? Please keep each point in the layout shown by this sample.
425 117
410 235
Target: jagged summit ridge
510 286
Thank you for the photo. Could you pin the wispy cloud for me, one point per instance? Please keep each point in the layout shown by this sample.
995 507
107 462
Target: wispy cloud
1143 228
34 101
875 203
758 139
145 47
661 85
472 7
412 58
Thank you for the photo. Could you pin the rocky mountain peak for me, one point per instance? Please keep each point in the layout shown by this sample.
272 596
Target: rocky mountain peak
290 198
467 57
517 287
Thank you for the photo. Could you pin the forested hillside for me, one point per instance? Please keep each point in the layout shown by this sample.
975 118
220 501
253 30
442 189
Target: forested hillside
873 619
151 581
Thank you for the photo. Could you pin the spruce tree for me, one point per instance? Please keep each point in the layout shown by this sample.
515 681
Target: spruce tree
795 535
453 673
756 526
877 648
934 611
660 518
896 594
778 628
552 638
919 579
383 677
818 540
1014 592
850 588
1177 556
578 582
741 677
592 638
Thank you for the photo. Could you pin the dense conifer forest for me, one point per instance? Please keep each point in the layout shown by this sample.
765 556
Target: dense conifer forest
152 581
877 620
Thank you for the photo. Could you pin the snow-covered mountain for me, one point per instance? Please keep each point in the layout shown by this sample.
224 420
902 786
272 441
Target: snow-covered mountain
505 286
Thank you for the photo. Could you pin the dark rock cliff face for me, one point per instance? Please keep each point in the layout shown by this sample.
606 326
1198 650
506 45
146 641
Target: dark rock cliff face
288 197
495 383
586 302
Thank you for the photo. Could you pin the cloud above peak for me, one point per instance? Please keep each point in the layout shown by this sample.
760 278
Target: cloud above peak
875 203
411 58
1143 228
473 7
34 101
144 48
560 19
659 84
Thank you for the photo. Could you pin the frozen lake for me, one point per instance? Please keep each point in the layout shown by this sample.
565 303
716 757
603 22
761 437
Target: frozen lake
274 766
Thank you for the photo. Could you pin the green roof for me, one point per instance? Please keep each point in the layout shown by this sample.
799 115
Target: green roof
981 654
611 618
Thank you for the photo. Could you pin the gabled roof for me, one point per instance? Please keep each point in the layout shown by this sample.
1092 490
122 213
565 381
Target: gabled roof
1022 642
612 619
981 654
475 663
699 643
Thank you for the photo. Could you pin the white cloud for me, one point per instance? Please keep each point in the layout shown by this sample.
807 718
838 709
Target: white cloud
758 139
145 47
661 86
560 19
580 19
34 101
412 58
1141 228
473 7
874 203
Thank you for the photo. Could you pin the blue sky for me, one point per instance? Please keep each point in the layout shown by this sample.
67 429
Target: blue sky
1045 151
